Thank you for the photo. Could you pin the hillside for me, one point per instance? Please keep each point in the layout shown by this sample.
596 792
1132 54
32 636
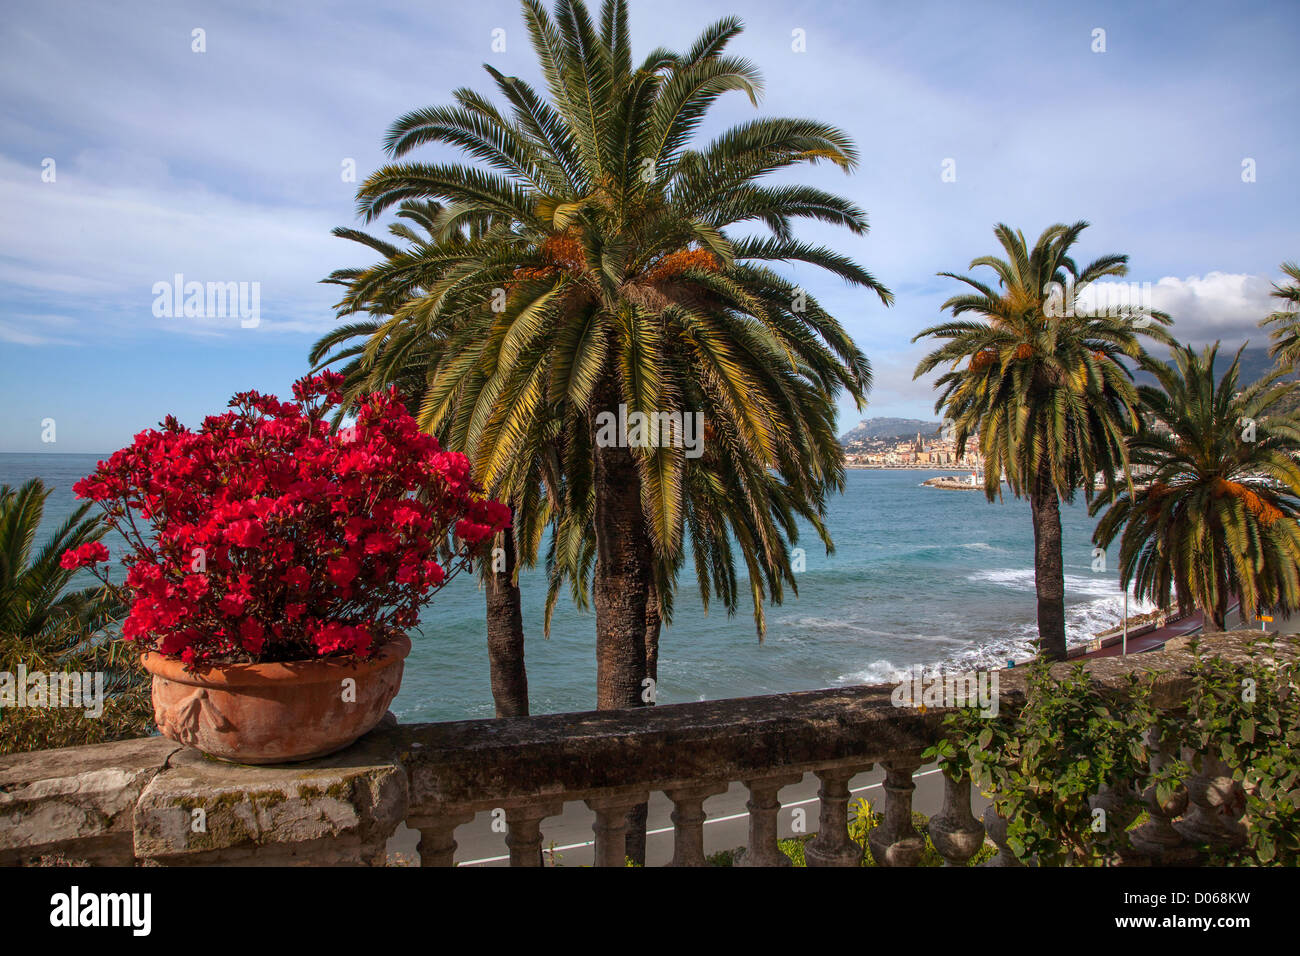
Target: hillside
888 428
1255 364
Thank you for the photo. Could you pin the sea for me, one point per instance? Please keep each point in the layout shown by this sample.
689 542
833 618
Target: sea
919 575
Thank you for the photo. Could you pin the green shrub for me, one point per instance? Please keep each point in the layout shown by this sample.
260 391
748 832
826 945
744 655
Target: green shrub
1074 738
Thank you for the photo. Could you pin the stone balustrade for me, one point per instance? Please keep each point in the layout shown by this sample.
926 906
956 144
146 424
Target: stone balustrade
154 802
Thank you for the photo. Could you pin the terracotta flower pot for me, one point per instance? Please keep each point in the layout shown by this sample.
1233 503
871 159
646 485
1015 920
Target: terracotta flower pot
274 713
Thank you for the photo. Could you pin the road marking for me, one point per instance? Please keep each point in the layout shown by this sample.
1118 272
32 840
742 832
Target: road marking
650 833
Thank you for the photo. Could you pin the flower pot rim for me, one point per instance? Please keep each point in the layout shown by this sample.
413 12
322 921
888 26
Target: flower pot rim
316 670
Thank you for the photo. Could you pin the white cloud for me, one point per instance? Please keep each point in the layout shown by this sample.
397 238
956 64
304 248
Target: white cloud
97 238
1218 305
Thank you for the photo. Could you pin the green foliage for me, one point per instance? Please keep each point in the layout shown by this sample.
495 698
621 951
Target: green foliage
793 849
1259 738
47 627
1043 765
34 595
1286 320
128 706
1073 740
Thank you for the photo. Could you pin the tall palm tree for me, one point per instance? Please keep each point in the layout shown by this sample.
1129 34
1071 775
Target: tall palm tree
1219 516
1286 320
608 285
1045 385
35 603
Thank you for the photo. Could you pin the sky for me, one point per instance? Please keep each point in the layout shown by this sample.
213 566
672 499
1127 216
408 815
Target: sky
129 156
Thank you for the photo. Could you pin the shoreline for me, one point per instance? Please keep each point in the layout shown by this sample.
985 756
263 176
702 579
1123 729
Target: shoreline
953 468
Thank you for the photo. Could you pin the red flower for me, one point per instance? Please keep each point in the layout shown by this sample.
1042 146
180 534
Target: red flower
251 634
380 544
471 532
245 534
341 570
196 585
233 604
297 578
90 553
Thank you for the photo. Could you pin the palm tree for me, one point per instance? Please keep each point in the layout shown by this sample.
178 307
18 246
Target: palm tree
1219 515
1045 386
35 605
1286 321
607 284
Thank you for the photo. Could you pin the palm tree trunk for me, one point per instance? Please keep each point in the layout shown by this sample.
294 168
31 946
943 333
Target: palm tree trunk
505 631
1049 570
622 568
637 816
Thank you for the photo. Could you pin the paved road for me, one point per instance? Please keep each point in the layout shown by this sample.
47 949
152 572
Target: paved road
727 826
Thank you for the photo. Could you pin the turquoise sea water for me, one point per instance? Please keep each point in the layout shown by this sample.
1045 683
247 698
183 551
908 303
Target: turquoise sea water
920 575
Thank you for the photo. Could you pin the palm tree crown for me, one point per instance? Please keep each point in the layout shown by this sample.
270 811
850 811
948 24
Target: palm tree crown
1218 517
34 599
604 273
1043 383
1286 320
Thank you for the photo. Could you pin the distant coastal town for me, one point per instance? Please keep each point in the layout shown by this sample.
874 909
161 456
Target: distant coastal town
921 452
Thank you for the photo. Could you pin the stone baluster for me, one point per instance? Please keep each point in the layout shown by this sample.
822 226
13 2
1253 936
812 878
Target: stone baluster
764 806
1157 839
688 822
1217 802
955 832
437 846
895 842
996 827
832 846
611 825
1121 809
524 837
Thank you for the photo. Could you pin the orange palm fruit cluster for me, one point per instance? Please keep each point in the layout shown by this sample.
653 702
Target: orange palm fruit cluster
676 263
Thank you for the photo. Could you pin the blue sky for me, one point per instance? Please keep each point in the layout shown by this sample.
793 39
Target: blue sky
226 166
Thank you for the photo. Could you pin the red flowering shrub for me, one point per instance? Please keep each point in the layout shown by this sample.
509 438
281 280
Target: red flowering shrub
270 538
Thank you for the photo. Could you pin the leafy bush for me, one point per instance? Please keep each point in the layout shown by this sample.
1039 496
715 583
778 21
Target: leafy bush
1074 740
1249 718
